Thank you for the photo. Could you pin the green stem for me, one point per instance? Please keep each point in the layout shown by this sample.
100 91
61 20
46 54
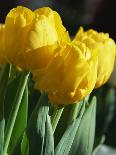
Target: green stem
55 118
14 111
73 112
75 109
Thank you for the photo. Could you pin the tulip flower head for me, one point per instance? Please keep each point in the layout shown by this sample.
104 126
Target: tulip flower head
31 37
69 76
105 48
67 71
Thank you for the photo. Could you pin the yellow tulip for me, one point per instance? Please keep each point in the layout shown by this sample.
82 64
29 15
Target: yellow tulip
55 20
31 37
2 56
105 48
70 76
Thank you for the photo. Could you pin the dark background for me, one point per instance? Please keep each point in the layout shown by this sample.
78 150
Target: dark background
97 14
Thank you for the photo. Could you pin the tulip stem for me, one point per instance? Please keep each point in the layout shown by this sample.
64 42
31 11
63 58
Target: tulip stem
15 108
74 112
56 117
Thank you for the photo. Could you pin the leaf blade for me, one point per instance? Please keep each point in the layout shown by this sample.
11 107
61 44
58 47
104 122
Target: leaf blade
65 143
20 123
4 76
84 139
40 125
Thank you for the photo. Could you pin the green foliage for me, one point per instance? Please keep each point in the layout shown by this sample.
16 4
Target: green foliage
47 130
3 85
2 125
24 145
20 123
13 112
79 135
39 129
84 139
66 141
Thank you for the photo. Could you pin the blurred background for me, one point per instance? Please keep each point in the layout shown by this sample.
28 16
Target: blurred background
96 14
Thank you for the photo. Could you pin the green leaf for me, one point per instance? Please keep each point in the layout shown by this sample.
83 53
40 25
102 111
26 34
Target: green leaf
74 111
14 109
3 87
66 141
20 123
56 117
109 108
84 139
2 125
105 109
4 76
39 130
24 145
99 144
10 94
49 140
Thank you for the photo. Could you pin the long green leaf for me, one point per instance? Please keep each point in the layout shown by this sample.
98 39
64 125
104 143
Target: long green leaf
10 94
39 130
56 117
49 140
66 141
3 86
84 139
2 125
15 108
20 123
24 145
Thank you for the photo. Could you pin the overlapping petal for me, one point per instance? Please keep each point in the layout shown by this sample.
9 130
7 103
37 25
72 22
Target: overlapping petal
28 34
105 48
69 76
67 71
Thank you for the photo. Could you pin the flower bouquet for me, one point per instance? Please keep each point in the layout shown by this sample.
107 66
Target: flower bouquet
46 80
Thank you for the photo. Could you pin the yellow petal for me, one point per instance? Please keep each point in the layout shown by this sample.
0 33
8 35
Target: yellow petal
42 33
55 20
17 26
106 55
105 48
69 76
39 58
31 37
